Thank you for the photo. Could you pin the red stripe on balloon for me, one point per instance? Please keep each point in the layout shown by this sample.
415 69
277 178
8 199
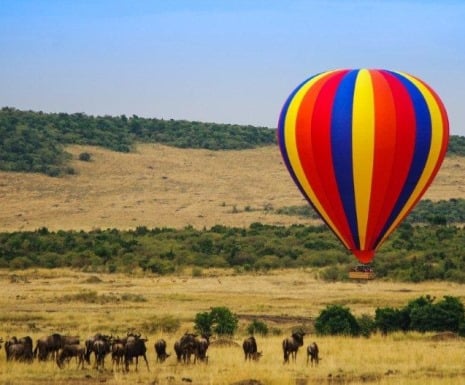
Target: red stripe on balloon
321 173
305 150
384 141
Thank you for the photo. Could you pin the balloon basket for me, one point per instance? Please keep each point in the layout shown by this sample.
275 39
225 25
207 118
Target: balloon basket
362 272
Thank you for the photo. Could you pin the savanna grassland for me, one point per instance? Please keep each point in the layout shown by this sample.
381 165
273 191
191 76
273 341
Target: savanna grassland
161 186
39 302
158 186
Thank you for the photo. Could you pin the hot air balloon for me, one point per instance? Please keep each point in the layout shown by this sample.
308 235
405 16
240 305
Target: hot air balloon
363 145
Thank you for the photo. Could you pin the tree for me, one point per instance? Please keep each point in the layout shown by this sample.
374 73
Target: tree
219 320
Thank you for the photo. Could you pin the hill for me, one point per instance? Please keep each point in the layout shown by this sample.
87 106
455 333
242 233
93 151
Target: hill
160 186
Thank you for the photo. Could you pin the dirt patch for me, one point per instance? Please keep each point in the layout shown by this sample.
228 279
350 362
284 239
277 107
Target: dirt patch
224 342
278 319
247 382
445 336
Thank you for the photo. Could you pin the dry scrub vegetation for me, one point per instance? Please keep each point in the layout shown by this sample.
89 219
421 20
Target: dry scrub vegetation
32 304
160 186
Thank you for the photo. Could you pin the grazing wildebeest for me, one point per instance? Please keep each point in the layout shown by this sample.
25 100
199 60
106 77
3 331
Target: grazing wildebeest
135 347
250 349
19 349
69 351
47 346
291 345
160 349
313 353
201 347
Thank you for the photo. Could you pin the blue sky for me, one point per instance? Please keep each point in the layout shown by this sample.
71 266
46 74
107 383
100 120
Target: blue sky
221 61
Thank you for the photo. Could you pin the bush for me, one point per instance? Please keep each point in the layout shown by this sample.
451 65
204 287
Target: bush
337 320
388 320
85 156
446 315
366 324
422 314
257 327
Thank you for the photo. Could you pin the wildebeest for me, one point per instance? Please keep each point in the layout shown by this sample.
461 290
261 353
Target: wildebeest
117 351
250 349
101 347
201 347
135 347
291 345
185 347
313 353
47 346
160 350
69 351
19 349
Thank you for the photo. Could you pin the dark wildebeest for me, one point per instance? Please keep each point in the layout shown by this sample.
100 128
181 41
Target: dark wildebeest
101 347
135 347
160 349
201 347
117 351
177 350
48 345
250 349
69 351
89 344
291 345
19 349
185 347
313 353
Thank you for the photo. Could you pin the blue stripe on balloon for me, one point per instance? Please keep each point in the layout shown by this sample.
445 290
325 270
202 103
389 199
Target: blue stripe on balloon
341 146
423 137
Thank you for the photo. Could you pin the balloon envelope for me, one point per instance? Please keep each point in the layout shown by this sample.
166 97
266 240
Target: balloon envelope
363 146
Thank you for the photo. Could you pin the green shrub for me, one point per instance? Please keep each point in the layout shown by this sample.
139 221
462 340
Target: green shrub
366 324
337 320
85 156
257 327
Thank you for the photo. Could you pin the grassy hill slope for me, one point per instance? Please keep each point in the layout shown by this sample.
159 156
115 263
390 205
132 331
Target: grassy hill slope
160 186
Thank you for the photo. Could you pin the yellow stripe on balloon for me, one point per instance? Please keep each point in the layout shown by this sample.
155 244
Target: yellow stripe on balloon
437 139
363 139
291 147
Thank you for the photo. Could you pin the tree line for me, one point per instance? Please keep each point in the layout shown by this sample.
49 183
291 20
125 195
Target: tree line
35 141
442 212
423 314
412 253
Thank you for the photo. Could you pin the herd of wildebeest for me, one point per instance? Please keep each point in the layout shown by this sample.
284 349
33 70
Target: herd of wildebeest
124 351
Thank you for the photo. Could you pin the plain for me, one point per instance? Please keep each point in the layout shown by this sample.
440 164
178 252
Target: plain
40 302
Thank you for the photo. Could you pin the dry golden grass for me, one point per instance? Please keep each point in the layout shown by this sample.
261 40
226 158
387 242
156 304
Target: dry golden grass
159 186
32 304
